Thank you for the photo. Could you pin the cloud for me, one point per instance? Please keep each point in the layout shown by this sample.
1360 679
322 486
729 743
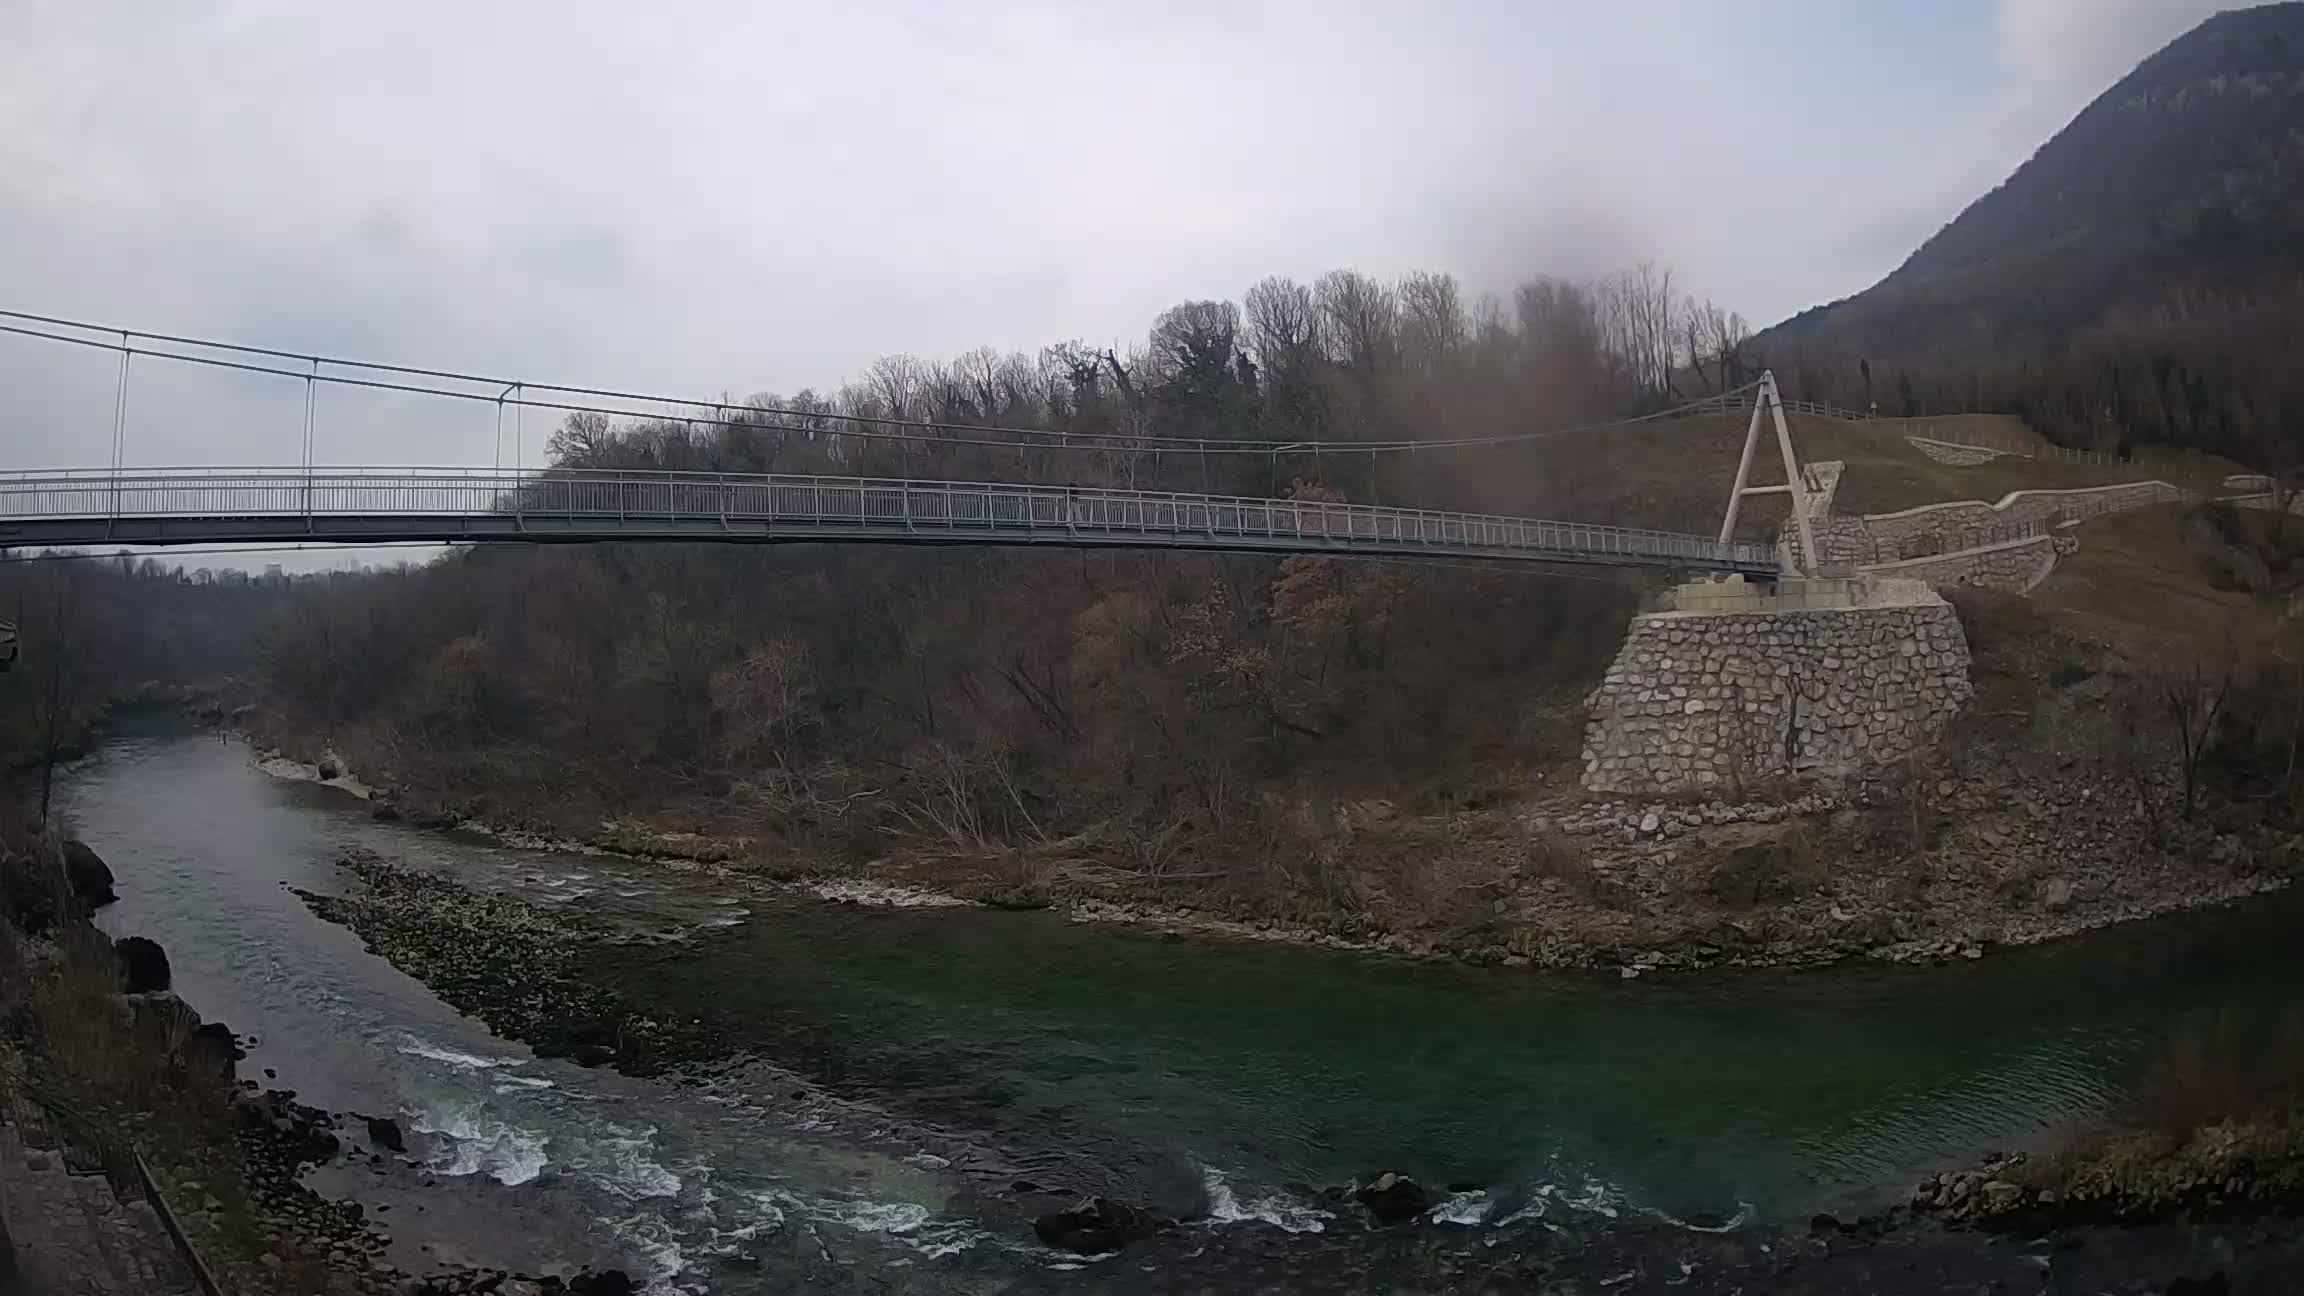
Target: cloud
713 195
2063 53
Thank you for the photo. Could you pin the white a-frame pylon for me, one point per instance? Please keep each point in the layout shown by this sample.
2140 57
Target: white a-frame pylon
1766 401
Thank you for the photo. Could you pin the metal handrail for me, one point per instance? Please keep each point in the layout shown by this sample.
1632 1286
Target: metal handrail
640 498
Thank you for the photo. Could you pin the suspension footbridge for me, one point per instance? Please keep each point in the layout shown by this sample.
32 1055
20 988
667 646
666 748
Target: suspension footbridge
123 505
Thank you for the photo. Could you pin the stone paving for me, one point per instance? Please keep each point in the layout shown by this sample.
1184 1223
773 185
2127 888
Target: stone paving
72 1235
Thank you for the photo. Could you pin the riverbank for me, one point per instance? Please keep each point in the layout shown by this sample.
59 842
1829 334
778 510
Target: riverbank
143 1158
1224 1087
1437 1240
2062 800
1963 862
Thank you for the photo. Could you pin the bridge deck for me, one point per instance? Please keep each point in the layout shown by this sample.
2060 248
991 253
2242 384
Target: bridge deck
370 505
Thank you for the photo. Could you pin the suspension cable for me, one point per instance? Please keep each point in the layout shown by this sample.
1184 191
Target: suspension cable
1109 442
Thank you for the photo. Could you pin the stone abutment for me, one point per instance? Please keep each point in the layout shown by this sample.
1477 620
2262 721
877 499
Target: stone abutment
1737 683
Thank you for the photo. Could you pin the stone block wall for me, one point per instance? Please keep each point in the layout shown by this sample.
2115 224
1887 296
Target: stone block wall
2012 567
1703 700
1892 535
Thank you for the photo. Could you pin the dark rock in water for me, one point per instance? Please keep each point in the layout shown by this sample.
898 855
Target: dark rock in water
143 965
1392 1198
1094 1225
592 1055
252 1111
329 769
212 1050
385 1133
90 877
306 1140
1712 1220
607 1282
1018 898
2212 1285
1824 1222
384 810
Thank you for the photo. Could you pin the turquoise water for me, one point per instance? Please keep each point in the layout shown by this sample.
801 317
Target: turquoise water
955 1050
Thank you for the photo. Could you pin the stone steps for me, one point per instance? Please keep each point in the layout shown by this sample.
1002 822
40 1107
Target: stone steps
73 1235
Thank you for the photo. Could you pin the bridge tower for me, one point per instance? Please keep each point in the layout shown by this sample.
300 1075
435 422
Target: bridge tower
1766 402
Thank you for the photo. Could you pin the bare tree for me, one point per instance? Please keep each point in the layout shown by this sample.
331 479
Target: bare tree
1284 331
2193 690
1713 341
1434 326
1283 321
1360 322
1639 328
51 623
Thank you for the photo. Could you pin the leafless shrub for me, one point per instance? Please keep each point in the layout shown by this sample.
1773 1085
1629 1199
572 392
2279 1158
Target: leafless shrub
2228 1067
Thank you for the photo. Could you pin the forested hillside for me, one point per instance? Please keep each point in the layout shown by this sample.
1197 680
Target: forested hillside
2141 278
964 697
94 631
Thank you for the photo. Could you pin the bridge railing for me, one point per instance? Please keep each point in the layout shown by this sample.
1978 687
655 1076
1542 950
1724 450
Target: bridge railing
630 502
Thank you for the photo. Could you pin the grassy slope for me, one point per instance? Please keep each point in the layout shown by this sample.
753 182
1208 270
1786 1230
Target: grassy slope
2139 579
1675 474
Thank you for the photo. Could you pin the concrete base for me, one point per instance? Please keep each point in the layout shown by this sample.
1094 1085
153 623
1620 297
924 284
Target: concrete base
1795 594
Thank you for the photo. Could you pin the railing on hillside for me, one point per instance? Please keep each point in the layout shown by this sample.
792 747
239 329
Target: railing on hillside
1956 539
1927 431
1738 402
85 1148
350 504
1918 426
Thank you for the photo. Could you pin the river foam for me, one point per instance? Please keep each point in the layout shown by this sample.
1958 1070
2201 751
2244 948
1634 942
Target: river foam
471 1142
1226 1207
418 1046
622 1161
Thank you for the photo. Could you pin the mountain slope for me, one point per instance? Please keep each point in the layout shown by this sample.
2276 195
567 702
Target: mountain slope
2166 222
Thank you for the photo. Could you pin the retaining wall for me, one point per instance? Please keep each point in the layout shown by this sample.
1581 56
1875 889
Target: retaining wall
1706 699
2011 566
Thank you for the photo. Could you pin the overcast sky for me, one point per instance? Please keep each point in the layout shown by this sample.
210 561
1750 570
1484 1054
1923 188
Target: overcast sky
726 195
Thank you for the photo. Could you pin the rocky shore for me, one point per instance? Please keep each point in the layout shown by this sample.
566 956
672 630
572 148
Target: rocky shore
513 965
1895 867
229 1159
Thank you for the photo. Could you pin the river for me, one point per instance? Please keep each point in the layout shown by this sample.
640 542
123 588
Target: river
913 1062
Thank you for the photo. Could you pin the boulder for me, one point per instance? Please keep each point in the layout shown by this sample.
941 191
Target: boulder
1093 1226
607 1282
1392 1198
384 1132
328 768
212 1050
592 1055
306 1140
89 876
159 1015
143 965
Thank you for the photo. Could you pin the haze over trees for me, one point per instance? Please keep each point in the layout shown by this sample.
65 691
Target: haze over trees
967 698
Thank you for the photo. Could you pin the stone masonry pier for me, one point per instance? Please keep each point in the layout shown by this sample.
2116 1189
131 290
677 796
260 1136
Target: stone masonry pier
1737 682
